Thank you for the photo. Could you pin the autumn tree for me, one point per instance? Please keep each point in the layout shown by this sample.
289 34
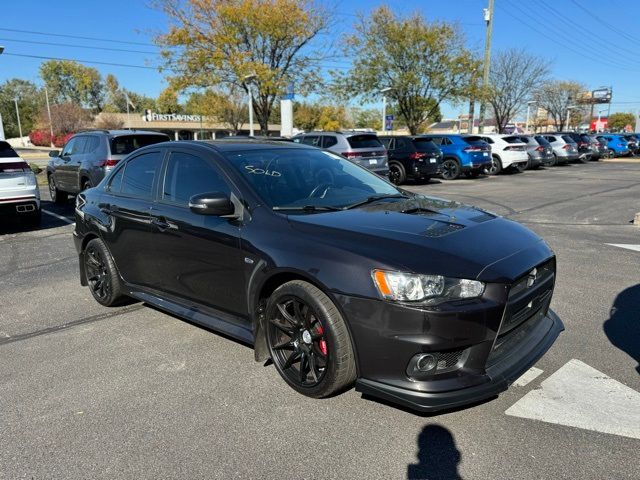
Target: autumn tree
306 116
223 42
70 81
424 63
66 118
556 97
515 76
619 121
167 101
30 100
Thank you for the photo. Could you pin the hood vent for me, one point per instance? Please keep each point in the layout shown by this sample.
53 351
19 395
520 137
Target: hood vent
439 229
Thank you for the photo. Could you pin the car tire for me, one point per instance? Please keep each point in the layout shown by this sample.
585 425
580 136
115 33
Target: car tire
451 169
611 153
57 196
86 184
495 167
305 329
397 174
102 274
554 162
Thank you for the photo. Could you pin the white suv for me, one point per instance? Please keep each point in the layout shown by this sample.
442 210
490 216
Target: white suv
19 193
507 151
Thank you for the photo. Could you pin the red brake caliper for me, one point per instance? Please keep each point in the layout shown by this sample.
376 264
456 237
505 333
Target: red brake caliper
322 344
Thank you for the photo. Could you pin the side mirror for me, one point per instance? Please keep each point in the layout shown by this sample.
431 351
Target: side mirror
54 153
214 203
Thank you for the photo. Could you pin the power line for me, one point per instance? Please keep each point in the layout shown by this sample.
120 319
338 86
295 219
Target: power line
77 37
40 57
613 28
78 46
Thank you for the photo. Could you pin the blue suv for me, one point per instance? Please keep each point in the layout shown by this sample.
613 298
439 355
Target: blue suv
617 145
467 154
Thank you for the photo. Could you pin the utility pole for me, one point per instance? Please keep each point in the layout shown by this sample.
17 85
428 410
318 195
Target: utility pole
488 18
18 116
46 95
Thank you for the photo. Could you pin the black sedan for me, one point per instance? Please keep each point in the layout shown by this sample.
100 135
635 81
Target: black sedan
332 272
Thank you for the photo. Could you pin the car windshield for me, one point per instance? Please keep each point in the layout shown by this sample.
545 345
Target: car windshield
125 144
6 151
296 178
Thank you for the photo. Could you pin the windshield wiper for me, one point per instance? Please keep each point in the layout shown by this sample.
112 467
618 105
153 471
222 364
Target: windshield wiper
374 198
308 208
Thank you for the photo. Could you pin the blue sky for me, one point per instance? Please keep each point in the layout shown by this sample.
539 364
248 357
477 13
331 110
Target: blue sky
590 41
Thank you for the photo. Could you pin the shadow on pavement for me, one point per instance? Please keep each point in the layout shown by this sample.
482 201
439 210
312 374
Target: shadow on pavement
438 457
623 326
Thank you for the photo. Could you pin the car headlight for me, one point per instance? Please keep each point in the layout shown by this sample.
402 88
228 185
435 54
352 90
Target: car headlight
426 289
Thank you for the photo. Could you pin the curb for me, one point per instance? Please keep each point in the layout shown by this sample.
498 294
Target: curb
620 160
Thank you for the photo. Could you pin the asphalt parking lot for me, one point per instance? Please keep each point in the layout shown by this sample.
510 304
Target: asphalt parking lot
131 392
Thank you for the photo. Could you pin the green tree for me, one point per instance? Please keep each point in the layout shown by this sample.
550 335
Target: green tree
618 121
227 107
167 101
30 100
116 98
515 75
368 118
306 116
221 42
425 64
70 81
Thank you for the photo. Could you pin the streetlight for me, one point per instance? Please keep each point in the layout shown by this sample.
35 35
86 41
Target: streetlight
599 119
384 107
246 79
526 126
569 108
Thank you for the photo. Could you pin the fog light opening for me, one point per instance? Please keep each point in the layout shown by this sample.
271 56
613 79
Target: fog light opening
426 363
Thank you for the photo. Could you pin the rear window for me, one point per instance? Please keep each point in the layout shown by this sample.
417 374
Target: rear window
14 167
541 140
425 145
6 151
364 141
513 140
473 140
568 139
125 144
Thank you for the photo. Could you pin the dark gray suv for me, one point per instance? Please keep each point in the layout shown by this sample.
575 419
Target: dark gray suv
88 156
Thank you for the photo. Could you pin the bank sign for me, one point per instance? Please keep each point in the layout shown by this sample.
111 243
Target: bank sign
150 116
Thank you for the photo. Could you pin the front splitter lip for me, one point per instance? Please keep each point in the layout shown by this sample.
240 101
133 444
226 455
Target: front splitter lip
497 381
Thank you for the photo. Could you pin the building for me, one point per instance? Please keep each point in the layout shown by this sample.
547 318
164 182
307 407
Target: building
178 126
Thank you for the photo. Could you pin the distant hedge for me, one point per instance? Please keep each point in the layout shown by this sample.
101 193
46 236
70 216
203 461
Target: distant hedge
42 138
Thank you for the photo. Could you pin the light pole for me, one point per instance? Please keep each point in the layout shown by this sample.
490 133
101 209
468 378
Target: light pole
46 96
599 118
246 80
569 108
526 126
488 18
1 124
15 100
384 107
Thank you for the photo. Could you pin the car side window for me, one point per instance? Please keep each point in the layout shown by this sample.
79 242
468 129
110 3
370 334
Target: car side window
69 147
329 141
311 140
116 181
188 175
437 140
446 141
139 174
91 145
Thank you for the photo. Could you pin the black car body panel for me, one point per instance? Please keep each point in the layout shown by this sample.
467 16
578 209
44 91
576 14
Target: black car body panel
214 271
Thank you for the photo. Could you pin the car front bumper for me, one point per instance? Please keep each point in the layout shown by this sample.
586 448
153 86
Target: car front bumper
480 346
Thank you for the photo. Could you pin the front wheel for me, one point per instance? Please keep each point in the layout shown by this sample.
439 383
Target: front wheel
57 196
308 340
450 169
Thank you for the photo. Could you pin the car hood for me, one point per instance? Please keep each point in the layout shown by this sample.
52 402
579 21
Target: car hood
431 236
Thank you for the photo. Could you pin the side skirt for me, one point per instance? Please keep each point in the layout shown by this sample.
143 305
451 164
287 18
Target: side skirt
219 321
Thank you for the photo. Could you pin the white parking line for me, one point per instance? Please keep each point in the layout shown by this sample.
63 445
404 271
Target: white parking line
527 377
626 245
578 395
59 217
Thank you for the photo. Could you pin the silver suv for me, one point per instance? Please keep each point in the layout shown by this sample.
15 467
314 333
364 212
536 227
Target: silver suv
565 149
89 156
19 193
363 148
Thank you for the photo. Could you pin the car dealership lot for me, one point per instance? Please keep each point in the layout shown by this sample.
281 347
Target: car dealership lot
91 392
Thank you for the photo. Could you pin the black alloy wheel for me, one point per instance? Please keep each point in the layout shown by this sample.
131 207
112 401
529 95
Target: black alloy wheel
101 274
450 169
308 340
396 173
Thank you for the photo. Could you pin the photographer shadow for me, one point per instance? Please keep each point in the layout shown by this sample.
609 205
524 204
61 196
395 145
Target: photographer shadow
438 457
623 326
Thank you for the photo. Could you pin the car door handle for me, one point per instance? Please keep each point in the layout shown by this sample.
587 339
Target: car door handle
162 225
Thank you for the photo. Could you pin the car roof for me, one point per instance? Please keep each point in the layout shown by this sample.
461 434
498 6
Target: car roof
119 132
235 145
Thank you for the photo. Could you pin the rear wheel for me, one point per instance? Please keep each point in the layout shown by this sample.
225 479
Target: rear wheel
102 275
450 169
57 196
86 184
397 175
495 167
308 340
611 153
554 162
520 167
